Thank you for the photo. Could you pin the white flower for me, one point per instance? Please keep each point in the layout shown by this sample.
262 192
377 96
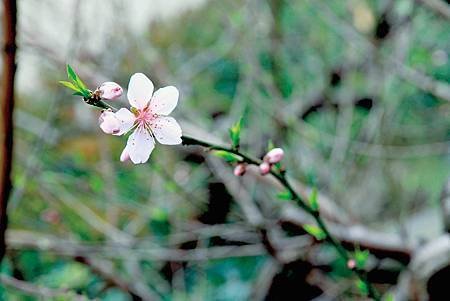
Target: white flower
149 119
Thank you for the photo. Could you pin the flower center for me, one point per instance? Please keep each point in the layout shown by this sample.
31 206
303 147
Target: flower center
144 117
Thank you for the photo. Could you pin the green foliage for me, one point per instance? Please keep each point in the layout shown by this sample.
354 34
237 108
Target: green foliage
362 287
361 258
315 231
235 134
66 275
227 156
284 195
75 84
313 202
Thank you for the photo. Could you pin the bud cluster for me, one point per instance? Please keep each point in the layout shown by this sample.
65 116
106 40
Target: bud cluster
272 157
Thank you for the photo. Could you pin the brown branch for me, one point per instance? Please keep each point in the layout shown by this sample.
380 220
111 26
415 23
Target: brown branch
38 291
6 111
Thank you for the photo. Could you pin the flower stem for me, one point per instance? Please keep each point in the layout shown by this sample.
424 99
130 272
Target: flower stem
281 177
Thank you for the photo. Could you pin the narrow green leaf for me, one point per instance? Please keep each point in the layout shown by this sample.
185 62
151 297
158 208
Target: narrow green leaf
78 94
227 156
71 74
69 85
361 258
285 195
235 133
362 287
270 146
81 84
77 81
313 202
315 231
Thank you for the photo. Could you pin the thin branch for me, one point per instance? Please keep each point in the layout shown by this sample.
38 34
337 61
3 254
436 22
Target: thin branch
38 291
438 6
6 111
281 177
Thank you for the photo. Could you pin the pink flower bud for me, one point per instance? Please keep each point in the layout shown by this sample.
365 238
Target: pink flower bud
264 168
125 156
110 90
351 264
274 156
239 170
51 216
109 122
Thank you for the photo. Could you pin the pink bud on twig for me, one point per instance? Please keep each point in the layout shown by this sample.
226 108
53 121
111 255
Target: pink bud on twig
274 156
264 168
110 90
239 170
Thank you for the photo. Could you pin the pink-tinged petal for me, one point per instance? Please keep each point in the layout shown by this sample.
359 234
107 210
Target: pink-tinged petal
125 156
109 122
274 156
126 119
140 145
110 90
239 170
164 100
140 90
166 130
264 168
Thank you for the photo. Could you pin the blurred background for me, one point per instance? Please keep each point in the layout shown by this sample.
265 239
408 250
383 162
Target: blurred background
355 91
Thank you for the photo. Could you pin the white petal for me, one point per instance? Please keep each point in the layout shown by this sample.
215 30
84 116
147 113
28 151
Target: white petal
140 145
140 90
126 119
166 130
125 156
109 122
164 100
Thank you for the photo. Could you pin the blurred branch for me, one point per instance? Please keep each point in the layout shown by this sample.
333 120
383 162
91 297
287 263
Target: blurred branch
438 6
445 205
105 270
38 291
437 88
7 107
18 239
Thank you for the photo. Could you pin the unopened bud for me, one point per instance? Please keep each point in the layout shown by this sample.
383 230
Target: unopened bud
110 90
274 156
239 170
125 156
264 168
51 216
351 264
109 122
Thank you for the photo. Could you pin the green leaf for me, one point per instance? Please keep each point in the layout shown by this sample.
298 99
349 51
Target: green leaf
79 94
362 287
81 84
227 156
285 195
361 258
270 146
315 231
69 85
235 134
313 202
159 214
71 74
389 297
